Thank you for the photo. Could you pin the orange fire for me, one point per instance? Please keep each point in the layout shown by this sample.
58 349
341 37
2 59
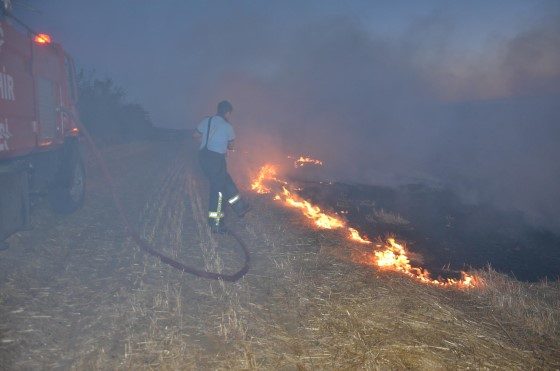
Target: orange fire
266 172
313 212
302 161
355 236
392 256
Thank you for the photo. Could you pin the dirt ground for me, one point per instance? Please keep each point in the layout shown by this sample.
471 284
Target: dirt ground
76 293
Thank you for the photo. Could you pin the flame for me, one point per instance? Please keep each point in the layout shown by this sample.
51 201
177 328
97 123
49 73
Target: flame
313 212
302 161
394 258
389 256
265 173
355 236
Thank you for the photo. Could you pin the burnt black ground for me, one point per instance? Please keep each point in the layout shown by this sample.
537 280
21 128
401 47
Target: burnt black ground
448 233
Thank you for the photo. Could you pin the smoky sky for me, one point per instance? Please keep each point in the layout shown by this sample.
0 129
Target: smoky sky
462 94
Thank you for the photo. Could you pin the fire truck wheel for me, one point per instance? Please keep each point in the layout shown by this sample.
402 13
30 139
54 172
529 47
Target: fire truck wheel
68 192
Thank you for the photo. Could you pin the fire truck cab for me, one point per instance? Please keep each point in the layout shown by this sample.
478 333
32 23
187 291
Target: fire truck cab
40 151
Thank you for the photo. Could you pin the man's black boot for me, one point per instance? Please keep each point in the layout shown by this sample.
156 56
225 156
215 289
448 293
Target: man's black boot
219 228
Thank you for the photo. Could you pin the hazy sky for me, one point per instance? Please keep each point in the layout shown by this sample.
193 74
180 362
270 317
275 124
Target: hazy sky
158 50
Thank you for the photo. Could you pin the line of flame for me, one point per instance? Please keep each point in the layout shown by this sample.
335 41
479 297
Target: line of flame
392 257
302 161
313 212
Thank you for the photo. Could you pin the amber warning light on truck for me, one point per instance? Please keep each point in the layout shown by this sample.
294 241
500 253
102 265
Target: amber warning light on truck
42 39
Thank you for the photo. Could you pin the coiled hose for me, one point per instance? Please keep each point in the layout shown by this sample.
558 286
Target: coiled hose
146 246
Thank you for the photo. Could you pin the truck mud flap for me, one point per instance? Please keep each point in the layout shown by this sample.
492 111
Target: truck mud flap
14 203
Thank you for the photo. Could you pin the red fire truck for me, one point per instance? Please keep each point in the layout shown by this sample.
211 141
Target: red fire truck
40 151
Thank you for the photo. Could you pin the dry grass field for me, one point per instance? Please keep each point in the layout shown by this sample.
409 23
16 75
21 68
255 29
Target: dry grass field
76 293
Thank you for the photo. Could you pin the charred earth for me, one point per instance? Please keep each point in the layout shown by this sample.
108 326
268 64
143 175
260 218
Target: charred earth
447 234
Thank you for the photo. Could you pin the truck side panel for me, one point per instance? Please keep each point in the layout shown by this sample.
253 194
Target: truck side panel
39 134
50 86
47 104
17 111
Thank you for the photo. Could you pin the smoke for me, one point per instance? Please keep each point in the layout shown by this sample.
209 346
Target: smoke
415 109
462 95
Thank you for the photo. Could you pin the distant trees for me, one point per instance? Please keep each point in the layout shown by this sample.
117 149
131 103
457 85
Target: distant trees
106 113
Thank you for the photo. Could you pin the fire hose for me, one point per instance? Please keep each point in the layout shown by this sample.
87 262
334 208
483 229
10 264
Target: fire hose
146 246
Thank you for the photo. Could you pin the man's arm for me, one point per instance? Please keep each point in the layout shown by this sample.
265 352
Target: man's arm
231 143
197 133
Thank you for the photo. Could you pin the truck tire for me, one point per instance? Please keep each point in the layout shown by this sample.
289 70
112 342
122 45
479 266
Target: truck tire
68 190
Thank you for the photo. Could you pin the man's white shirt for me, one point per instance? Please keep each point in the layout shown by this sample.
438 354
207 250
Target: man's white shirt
221 132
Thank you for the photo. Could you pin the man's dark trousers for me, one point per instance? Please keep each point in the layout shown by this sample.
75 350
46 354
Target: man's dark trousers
222 187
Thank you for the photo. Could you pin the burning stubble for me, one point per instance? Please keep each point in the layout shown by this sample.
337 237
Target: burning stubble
387 255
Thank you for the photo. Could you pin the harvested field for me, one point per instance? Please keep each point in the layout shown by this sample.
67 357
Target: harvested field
75 292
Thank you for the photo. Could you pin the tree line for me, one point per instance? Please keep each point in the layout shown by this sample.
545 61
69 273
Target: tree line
107 114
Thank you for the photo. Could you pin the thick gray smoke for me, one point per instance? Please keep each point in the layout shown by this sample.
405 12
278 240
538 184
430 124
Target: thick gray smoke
433 101
405 110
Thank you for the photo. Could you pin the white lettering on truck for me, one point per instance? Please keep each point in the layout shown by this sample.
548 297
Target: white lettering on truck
6 86
4 135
